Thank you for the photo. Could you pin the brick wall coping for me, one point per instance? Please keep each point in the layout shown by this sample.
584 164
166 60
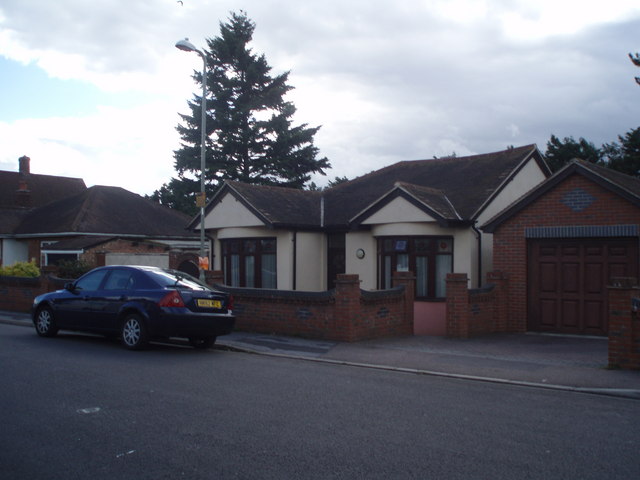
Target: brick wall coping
376 294
488 288
295 295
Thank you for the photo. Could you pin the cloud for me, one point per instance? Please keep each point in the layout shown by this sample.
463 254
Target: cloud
387 81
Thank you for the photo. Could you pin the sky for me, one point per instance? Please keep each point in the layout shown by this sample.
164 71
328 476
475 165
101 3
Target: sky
94 89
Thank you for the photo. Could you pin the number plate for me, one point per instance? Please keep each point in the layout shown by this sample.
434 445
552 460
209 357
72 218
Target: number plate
208 303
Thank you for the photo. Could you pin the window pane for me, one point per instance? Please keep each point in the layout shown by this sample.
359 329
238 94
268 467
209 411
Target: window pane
250 271
268 245
445 245
118 280
250 246
269 271
401 246
91 281
443 266
422 264
235 270
403 263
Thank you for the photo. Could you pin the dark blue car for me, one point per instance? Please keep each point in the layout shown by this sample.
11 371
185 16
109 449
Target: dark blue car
137 304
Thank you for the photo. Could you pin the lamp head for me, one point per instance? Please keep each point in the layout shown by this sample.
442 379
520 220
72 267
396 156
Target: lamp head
186 45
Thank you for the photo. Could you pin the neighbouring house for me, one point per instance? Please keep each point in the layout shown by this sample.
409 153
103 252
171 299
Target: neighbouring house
560 246
48 219
418 216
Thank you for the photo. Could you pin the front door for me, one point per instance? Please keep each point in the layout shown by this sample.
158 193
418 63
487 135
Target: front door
568 279
335 257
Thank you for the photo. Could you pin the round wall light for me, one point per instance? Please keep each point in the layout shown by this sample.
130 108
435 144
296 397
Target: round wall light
360 253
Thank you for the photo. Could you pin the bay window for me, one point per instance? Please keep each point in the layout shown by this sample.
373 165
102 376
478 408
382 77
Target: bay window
249 262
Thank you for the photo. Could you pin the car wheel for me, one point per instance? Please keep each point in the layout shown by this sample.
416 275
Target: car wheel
133 334
202 343
45 324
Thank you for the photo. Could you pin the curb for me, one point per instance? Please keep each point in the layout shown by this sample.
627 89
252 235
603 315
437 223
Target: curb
631 394
611 392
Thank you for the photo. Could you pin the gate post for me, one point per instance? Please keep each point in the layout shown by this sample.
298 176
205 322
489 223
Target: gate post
624 325
457 305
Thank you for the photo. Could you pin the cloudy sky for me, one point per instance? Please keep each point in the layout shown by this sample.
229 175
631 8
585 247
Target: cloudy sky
93 89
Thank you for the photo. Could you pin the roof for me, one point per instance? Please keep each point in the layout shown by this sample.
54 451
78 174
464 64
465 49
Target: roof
105 211
452 190
621 184
43 189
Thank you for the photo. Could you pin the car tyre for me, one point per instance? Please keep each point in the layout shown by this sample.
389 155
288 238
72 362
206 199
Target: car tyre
45 323
202 343
133 334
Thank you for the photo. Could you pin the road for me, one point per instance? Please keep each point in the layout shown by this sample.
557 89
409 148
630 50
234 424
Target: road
81 407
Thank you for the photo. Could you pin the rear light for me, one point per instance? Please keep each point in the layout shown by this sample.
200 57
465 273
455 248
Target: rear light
171 299
230 303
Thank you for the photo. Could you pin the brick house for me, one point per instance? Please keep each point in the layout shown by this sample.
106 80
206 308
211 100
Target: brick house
560 245
418 216
50 218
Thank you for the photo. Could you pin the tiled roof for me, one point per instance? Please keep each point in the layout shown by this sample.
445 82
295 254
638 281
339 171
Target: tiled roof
467 182
43 189
279 206
106 211
453 189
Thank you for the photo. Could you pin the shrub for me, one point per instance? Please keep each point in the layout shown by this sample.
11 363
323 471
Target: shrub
21 269
72 269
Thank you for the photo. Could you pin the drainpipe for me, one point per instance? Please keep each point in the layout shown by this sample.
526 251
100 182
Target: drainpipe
295 257
479 234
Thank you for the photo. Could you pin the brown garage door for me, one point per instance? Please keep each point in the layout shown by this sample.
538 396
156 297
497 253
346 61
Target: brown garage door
567 282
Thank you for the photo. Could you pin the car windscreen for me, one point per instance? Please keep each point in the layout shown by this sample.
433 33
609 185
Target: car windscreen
173 278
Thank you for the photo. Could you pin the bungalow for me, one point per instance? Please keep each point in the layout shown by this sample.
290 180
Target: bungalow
48 219
419 216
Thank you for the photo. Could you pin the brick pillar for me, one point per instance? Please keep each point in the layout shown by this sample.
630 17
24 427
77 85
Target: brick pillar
408 280
347 310
214 277
457 305
501 304
624 325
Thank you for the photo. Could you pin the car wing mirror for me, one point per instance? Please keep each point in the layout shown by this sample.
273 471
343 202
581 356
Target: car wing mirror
69 286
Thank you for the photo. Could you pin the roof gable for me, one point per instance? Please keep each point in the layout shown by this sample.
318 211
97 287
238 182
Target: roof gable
426 204
623 185
274 206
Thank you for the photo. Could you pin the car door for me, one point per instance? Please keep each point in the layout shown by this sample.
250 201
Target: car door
108 301
74 309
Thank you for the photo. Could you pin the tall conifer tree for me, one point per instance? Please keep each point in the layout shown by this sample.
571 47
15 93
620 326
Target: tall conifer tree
250 134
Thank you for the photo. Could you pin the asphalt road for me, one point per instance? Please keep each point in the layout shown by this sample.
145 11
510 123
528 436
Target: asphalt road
81 407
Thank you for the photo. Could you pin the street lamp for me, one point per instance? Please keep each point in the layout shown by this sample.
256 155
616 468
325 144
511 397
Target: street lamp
187 46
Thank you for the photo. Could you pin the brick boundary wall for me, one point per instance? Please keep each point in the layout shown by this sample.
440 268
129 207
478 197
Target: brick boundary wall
17 293
346 314
624 324
472 312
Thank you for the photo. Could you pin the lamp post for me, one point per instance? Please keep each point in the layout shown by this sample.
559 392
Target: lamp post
187 46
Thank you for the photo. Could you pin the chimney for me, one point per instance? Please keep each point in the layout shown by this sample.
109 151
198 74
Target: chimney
25 167
23 194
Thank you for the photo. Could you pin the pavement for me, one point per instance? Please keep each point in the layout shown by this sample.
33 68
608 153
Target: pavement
560 362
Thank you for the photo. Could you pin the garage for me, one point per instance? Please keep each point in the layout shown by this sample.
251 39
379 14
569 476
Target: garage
561 244
567 282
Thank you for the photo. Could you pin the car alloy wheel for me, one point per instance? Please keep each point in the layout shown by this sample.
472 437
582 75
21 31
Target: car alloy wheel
133 333
45 325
